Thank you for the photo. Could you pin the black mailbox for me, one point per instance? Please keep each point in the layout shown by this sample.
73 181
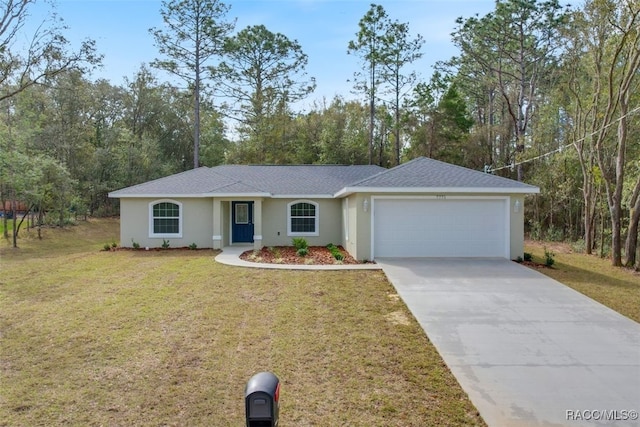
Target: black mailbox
261 397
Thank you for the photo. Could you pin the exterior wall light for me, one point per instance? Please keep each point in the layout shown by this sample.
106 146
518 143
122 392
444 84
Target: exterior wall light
365 205
516 206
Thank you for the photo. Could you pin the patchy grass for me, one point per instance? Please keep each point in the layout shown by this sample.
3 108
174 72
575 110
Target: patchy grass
89 337
617 288
86 236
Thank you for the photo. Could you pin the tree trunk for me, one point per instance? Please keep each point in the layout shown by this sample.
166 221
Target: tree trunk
589 196
372 113
4 218
602 223
15 228
615 199
589 215
196 112
397 128
631 245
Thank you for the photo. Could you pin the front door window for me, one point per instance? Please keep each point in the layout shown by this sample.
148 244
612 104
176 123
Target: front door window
242 213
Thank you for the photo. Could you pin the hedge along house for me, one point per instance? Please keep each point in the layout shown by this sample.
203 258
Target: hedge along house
422 208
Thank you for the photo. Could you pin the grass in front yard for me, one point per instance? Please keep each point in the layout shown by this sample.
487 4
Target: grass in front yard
615 287
171 337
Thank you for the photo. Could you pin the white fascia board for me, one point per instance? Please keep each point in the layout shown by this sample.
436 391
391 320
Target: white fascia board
237 195
187 196
302 196
154 196
440 190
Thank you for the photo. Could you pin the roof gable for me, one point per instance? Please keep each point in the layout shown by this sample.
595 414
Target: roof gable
424 173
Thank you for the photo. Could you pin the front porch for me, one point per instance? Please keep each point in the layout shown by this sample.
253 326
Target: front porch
237 222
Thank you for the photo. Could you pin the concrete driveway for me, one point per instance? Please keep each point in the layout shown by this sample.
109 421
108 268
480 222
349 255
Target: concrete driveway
528 350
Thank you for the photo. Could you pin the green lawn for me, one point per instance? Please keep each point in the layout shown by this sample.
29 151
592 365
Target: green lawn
125 338
617 288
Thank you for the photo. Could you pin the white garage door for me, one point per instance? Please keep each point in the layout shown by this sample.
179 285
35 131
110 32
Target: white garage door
440 228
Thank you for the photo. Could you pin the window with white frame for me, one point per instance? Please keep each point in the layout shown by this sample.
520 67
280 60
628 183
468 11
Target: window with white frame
302 218
165 219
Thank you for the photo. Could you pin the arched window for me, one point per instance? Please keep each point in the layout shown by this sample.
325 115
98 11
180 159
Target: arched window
165 219
302 218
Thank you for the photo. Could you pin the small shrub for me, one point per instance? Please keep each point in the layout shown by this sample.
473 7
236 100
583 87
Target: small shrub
536 231
135 244
549 258
299 243
528 257
555 234
193 246
337 254
114 245
106 247
519 260
302 252
579 246
165 244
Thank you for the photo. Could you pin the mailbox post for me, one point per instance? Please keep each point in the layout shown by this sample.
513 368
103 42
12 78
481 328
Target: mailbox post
261 396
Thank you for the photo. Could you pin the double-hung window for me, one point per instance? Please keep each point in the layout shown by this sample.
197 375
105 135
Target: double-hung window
302 218
165 219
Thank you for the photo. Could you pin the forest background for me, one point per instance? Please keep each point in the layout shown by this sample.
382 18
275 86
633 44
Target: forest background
540 92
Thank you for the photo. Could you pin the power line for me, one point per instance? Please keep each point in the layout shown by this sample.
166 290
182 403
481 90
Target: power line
489 169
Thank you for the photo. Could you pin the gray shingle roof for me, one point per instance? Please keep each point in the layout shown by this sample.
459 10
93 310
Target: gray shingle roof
423 172
202 180
299 179
320 180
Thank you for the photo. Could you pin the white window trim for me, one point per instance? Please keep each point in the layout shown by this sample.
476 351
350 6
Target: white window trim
165 235
317 219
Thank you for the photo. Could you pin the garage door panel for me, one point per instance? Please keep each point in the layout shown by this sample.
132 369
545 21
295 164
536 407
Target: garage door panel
440 228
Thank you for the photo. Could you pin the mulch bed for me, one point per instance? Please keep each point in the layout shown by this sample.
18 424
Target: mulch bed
317 255
533 264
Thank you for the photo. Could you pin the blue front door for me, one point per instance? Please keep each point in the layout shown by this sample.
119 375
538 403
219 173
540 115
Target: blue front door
242 222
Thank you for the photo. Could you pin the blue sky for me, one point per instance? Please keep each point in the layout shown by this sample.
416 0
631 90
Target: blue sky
322 27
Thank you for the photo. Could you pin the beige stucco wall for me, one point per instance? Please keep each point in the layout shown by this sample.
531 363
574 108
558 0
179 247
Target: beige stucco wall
359 228
517 226
274 222
197 226
355 235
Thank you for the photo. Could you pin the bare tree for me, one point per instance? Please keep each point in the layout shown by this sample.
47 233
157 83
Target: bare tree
46 54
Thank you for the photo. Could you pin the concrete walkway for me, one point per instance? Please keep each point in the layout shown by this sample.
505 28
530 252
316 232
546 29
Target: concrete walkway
230 255
528 350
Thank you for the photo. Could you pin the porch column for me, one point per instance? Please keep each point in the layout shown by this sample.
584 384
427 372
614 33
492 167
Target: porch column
257 224
217 224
